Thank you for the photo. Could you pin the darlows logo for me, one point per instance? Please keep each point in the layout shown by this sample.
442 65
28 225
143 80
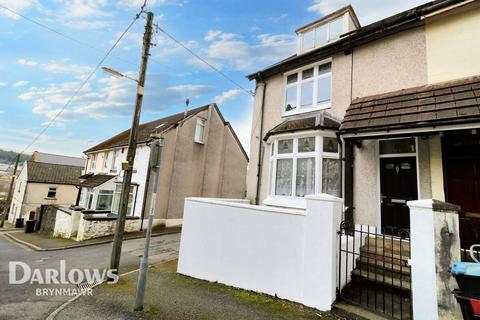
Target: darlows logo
21 273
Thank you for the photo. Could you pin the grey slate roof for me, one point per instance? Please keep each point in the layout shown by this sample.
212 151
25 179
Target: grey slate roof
430 105
57 159
321 120
52 173
94 180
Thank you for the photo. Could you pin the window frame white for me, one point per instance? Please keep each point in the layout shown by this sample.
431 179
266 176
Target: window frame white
93 161
329 39
293 200
113 164
55 189
298 84
201 123
105 160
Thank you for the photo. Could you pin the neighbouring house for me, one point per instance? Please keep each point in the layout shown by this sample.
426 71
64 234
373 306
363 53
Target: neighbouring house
378 116
202 156
40 184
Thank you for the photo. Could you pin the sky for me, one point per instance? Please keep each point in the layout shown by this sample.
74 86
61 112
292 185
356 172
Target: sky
41 70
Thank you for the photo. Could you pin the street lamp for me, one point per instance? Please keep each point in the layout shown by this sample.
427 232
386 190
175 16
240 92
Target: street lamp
117 74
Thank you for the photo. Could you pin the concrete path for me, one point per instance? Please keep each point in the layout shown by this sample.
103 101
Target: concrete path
19 301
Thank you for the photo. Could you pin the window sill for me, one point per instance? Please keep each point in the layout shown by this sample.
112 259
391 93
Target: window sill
302 111
199 142
47 198
286 202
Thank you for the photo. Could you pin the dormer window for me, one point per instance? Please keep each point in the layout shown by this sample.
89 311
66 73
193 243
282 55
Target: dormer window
308 89
327 29
323 34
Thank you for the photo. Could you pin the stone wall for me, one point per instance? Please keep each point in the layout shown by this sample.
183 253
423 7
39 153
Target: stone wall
95 227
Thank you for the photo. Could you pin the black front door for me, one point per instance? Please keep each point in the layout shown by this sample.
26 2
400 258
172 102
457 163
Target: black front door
398 184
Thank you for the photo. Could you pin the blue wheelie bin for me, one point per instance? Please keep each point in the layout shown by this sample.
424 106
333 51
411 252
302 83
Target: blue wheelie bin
467 275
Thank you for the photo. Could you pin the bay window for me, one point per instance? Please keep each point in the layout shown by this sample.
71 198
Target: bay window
308 89
116 199
104 200
304 165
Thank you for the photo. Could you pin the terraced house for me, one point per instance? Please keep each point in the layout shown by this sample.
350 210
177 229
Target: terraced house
377 116
201 157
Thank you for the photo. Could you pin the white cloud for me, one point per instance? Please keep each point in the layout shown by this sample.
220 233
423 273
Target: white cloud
76 9
56 67
3 84
227 95
368 11
194 90
86 25
18 6
27 62
227 49
278 18
20 83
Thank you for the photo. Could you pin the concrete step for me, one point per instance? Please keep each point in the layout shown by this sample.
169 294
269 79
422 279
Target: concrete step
384 243
385 256
396 267
380 278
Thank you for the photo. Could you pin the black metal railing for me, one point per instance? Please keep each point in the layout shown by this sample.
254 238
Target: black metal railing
373 270
466 254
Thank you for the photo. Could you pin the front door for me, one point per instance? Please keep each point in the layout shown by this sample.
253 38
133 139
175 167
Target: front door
462 181
398 184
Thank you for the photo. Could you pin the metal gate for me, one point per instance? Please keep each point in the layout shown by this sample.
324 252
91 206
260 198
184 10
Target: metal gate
373 271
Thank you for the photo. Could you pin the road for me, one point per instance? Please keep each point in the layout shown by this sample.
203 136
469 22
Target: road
20 301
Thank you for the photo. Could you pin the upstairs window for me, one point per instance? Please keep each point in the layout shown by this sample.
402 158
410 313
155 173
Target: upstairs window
200 130
93 161
52 192
105 160
113 167
322 34
308 89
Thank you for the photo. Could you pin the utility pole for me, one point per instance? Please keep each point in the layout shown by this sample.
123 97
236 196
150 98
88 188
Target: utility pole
155 156
10 192
132 146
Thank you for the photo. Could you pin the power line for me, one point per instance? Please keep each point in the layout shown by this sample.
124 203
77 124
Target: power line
137 16
70 38
204 61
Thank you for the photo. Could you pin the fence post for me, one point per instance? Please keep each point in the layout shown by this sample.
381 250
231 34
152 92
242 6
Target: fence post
435 246
324 213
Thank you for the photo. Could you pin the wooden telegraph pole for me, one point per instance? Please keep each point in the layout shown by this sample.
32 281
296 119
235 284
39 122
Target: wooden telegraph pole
132 146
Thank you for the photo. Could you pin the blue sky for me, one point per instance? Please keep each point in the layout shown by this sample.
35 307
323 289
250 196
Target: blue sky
40 70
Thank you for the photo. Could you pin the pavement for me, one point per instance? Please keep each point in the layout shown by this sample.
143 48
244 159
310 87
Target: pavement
7 226
20 301
173 296
41 242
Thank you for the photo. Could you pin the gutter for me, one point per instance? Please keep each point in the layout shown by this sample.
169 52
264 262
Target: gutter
260 143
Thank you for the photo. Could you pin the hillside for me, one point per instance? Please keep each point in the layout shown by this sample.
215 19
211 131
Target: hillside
9 156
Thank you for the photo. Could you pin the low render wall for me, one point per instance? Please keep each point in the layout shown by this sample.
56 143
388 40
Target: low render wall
95 226
288 253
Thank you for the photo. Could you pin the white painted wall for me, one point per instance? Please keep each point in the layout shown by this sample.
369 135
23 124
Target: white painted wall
18 195
284 252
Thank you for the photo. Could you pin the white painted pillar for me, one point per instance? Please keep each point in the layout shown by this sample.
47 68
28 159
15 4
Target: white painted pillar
324 213
435 246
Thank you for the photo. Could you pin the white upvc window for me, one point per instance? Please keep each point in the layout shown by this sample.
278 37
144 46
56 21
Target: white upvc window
301 165
105 160
308 89
322 34
52 192
200 130
113 167
93 161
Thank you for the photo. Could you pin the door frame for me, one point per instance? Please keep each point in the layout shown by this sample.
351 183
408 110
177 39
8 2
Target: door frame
379 156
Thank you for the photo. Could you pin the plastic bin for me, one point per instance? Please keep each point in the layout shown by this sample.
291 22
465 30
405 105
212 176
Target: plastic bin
19 223
470 307
467 275
30 226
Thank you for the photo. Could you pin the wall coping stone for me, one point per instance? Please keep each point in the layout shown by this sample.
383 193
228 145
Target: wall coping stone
435 205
